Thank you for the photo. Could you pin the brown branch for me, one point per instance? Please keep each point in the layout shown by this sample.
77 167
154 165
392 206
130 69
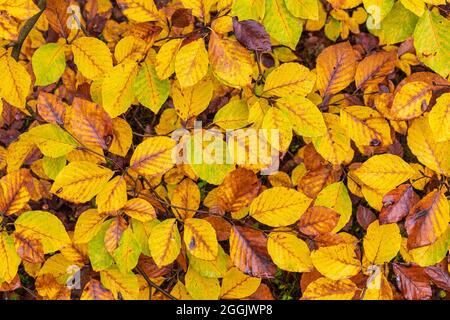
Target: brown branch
154 285
23 34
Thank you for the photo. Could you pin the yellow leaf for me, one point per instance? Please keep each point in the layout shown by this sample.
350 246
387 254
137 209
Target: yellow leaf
279 206
117 88
374 68
327 289
80 181
384 172
335 196
439 118
200 8
366 126
112 196
378 287
231 63
336 262
186 197
200 238
129 47
248 9
45 227
92 57
289 79
21 9
233 115
411 101
334 146
52 140
434 253
201 288
211 268
14 194
277 128
153 156
117 282
165 242
306 118
429 152
289 252
139 10
165 59
237 285
16 82
122 137
336 67
308 9
88 225
139 209
191 63
9 258
192 101
94 290
382 242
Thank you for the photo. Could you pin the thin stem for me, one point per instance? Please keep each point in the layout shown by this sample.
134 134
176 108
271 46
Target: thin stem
154 285
23 34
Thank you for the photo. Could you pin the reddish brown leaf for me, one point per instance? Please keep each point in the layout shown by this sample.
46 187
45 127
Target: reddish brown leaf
252 35
148 265
397 204
427 220
318 220
95 291
58 15
30 250
182 18
91 124
222 227
413 282
248 251
315 180
114 233
262 293
237 191
439 275
364 217
51 108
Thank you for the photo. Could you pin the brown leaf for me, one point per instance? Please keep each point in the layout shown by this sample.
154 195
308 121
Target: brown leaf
397 204
222 227
30 250
262 293
95 291
148 265
413 282
318 220
51 108
315 180
182 18
364 217
439 275
427 220
114 233
11 286
91 124
237 191
57 14
248 251
373 69
252 35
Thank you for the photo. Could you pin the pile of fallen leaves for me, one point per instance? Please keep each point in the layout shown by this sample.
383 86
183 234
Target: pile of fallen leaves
93 205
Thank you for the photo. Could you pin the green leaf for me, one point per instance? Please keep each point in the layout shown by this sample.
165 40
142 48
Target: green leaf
52 166
127 253
432 41
281 24
49 62
53 141
149 89
99 256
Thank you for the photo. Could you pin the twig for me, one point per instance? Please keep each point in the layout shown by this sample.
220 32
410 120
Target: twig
154 285
23 34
